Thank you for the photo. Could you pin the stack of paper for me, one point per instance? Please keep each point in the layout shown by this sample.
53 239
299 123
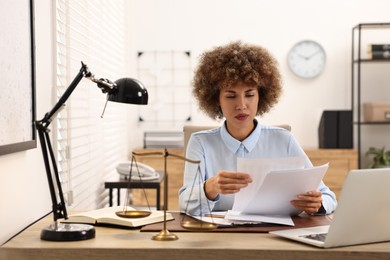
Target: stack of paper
275 183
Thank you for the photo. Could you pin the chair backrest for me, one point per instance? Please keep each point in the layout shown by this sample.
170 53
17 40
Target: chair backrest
189 129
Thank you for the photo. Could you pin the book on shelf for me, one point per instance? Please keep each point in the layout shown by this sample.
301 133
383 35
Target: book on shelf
378 47
379 55
107 216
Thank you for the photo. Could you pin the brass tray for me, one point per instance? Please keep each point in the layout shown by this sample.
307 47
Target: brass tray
133 214
198 225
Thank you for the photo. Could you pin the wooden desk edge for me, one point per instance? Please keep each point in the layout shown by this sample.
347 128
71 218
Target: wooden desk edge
113 243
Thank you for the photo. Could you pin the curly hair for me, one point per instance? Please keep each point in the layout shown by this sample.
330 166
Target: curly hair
225 66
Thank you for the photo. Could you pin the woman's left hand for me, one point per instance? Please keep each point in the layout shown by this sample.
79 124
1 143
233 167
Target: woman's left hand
310 202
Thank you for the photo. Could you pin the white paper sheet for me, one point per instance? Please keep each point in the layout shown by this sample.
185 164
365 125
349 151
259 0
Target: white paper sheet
276 219
233 218
224 221
272 192
258 169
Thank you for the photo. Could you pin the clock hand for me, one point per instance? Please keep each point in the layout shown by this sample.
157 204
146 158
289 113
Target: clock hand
303 57
314 54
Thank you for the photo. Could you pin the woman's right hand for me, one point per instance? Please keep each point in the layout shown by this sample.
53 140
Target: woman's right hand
226 182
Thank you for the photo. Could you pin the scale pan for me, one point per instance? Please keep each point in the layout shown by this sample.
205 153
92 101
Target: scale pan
198 225
133 214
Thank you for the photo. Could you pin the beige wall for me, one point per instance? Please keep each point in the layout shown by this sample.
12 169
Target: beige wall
276 25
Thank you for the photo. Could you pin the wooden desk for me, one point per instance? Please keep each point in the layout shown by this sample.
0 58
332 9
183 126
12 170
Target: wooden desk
135 184
111 243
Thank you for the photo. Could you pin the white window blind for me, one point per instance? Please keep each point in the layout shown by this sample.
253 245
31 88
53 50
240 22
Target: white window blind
88 146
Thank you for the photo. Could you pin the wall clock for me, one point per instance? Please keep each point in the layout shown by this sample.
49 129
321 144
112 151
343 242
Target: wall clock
307 59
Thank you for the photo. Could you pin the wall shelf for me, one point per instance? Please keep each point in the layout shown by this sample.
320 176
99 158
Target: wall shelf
364 88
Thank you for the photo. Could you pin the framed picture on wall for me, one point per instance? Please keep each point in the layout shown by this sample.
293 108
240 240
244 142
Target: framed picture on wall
17 68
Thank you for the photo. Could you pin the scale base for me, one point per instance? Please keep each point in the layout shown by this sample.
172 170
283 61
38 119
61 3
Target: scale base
165 235
67 232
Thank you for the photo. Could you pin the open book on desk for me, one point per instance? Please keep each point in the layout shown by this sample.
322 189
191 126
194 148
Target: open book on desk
107 216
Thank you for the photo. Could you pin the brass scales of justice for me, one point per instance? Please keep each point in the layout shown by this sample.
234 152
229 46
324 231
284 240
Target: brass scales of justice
164 234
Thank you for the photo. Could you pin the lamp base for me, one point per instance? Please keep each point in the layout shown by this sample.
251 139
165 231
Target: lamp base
67 232
165 235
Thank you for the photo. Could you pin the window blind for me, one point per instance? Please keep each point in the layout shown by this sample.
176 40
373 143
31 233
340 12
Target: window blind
87 146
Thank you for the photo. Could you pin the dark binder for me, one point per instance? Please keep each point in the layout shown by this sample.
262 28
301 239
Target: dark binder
335 129
345 129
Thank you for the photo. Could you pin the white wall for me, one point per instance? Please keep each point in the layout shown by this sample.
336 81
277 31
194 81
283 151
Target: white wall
23 185
276 25
198 25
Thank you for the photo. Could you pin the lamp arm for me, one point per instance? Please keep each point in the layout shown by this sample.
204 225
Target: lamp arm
59 208
48 118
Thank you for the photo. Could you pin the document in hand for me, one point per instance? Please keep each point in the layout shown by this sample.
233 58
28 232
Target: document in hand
276 189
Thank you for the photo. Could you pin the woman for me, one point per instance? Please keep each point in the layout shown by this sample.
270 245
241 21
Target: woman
239 82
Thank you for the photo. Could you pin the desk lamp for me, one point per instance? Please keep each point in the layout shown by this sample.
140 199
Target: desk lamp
124 90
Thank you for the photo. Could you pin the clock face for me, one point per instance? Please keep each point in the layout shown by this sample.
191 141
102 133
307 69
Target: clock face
307 59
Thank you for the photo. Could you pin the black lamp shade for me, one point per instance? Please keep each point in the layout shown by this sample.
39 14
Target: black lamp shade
129 91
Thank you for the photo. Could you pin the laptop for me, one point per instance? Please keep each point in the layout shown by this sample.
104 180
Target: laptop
362 215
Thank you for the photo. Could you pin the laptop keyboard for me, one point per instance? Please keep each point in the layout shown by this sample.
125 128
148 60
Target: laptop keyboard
318 237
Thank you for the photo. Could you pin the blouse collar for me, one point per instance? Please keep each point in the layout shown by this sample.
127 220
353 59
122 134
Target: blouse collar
249 143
